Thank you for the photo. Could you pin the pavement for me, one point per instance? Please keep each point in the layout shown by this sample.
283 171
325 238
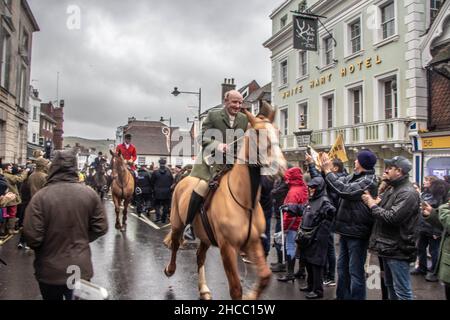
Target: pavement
130 266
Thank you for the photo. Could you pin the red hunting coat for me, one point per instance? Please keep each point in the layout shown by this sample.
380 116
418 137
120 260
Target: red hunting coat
128 154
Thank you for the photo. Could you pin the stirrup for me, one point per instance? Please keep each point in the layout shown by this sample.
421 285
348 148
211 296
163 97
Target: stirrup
138 191
188 233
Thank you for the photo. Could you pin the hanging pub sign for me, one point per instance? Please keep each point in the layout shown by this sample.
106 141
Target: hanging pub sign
305 33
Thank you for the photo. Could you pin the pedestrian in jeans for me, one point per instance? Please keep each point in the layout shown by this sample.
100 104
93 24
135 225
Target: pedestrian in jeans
353 222
60 222
393 237
297 194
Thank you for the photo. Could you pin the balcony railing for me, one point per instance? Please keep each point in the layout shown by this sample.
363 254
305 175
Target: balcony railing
360 134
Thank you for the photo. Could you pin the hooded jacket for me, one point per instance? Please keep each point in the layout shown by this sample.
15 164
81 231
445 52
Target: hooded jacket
318 213
60 222
297 194
38 178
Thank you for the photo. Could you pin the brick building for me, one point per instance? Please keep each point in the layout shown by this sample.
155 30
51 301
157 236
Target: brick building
51 125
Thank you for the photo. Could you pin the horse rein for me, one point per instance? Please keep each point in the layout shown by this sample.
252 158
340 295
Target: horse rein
249 210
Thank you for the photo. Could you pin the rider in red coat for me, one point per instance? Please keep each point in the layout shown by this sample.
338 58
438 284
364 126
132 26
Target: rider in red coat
128 151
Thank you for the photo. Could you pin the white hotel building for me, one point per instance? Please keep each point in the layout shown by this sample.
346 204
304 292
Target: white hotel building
370 86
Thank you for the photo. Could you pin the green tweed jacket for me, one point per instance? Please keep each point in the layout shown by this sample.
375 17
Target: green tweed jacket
219 121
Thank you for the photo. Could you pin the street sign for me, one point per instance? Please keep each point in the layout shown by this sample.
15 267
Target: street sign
305 33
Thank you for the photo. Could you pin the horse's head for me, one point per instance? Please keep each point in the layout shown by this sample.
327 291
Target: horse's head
264 147
117 160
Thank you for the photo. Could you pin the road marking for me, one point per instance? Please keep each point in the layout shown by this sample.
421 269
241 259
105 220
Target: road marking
2 242
150 223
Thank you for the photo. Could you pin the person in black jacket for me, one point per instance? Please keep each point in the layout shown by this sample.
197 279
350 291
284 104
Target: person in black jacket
435 194
393 237
353 222
143 181
339 170
317 214
279 192
161 182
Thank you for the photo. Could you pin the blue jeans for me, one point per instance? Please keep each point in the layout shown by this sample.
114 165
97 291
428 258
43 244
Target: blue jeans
422 244
351 284
291 245
397 279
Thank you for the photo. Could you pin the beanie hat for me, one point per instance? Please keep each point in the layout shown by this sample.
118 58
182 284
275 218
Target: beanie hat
367 159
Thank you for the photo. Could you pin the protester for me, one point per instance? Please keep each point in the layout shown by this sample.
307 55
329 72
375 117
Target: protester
266 202
143 199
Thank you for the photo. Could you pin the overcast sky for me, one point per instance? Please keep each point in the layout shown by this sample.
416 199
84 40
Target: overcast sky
127 56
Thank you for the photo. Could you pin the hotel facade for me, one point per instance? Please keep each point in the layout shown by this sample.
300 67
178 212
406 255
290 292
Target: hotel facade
366 81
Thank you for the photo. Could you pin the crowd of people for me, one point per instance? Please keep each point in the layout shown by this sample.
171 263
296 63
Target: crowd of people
399 222
312 207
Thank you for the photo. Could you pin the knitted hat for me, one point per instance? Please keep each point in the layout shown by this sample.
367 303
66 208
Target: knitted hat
367 159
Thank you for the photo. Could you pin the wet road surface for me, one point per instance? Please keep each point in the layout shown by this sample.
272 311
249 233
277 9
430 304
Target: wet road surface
130 266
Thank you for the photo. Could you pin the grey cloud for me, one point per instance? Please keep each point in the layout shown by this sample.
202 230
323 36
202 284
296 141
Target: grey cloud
128 56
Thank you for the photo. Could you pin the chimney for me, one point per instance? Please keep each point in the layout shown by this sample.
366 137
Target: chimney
227 85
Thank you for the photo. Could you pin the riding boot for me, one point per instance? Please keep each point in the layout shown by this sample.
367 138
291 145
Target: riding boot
289 276
194 206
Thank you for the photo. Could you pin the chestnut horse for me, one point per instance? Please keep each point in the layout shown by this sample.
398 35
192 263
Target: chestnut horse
236 226
122 188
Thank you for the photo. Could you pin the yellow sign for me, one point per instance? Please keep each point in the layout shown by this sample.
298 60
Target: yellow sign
436 143
338 150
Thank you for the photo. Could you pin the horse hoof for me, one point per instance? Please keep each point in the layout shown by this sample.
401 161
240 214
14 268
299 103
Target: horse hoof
123 229
118 226
167 273
205 296
249 296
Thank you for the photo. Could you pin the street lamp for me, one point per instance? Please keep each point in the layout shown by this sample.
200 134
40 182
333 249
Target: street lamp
176 93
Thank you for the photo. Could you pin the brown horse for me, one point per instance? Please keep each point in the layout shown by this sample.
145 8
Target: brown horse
122 188
236 226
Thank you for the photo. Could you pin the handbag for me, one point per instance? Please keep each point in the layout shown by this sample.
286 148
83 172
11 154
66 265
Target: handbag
306 236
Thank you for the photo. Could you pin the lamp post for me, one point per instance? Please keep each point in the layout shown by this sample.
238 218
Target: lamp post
176 93
168 134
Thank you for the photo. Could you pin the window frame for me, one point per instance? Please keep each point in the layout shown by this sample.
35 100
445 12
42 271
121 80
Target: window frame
280 74
284 121
302 64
